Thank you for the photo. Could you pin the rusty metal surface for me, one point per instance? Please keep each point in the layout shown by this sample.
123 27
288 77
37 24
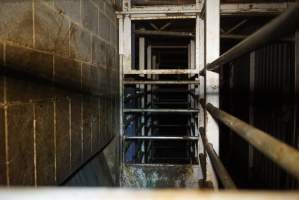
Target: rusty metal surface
271 110
160 176
282 154
218 166
161 2
285 24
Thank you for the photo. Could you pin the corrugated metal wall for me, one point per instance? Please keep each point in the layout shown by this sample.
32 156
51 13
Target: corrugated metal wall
271 109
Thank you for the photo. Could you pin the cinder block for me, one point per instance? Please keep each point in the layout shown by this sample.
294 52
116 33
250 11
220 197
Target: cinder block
76 131
89 15
103 123
30 62
67 72
88 114
100 141
48 2
45 154
102 25
21 90
80 43
70 8
99 52
16 21
109 60
20 144
102 79
1 54
1 89
90 79
62 140
100 4
95 124
109 10
2 150
51 30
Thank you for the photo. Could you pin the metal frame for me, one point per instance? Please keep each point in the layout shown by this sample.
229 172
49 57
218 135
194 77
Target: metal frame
282 154
218 166
168 138
276 29
133 82
253 8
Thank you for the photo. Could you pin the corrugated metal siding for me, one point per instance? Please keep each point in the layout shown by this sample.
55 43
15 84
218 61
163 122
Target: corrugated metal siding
273 112
274 109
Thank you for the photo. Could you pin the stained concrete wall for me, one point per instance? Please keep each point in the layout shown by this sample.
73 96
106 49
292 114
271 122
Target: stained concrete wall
58 86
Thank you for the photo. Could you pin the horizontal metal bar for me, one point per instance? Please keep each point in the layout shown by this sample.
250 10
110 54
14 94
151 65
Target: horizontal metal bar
137 17
218 166
171 103
285 24
280 153
170 126
164 33
161 82
242 37
160 165
184 138
169 46
163 71
162 10
160 2
253 8
161 110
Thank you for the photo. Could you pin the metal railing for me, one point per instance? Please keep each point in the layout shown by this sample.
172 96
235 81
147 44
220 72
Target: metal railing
279 152
218 166
286 23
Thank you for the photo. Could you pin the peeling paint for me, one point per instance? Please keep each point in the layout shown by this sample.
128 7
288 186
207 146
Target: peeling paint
161 176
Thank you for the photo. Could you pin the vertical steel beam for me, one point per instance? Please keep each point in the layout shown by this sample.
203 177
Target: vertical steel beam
296 95
199 43
121 92
200 60
251 106
192 56
192 66
189 56
149 87
149 66
127 44
212 35
212 51
142 87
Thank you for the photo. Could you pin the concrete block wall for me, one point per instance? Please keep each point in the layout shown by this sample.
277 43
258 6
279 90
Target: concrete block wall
59 87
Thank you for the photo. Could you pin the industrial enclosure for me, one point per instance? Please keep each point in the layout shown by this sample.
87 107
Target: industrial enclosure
198 97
